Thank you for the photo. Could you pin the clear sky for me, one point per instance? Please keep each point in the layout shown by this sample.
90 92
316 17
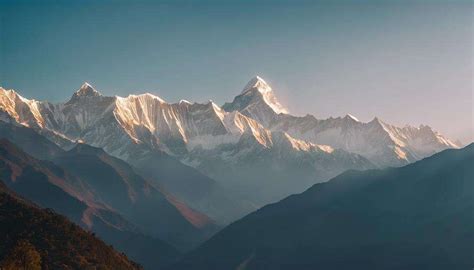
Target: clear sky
404 61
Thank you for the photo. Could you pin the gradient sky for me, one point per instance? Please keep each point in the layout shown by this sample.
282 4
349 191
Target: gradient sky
404 61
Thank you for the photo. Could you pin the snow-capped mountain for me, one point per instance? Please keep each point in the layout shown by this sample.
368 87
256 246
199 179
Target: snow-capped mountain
113 123
252 146
101 121
200 135
257 101
381 143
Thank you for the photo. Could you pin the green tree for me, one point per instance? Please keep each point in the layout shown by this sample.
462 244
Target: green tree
23 256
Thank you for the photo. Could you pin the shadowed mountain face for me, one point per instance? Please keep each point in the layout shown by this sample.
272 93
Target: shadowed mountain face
193 187
115 184
30 141
420 216
59 243
53 187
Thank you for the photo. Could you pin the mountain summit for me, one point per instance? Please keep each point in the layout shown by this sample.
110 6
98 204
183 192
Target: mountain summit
257 101
257 83
86 90
261 94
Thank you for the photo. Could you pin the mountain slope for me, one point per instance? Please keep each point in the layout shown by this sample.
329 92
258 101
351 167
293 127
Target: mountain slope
59 243
420 216
260 174
189 185
115 184
53 187
30 141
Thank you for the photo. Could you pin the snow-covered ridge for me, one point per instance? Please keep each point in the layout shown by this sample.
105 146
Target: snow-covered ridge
114 123
257 83
352 117
22 110
382 143
109 122
257 93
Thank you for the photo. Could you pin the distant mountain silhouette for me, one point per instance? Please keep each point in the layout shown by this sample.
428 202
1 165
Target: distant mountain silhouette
29 141
190 185
420 216
115 183
42 239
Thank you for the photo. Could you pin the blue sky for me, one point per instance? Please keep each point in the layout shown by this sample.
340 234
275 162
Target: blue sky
404 61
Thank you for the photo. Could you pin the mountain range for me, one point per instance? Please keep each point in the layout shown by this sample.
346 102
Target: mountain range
382 143
224 161
157 179
420 216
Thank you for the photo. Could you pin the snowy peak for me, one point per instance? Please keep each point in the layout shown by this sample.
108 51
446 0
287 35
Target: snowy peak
376 122
351 117
257 83
144 97
259 91
86 90
257 101
22 110
11 94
